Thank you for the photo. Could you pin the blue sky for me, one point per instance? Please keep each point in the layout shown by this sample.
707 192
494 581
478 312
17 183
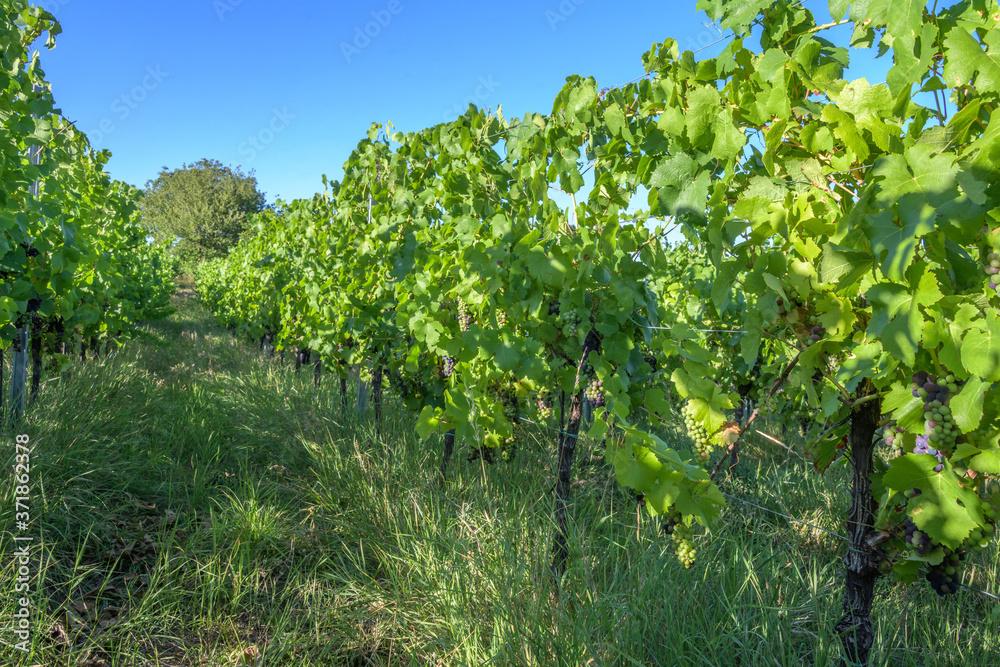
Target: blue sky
288 89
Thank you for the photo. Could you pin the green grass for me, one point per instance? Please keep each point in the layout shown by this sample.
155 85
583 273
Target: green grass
194 504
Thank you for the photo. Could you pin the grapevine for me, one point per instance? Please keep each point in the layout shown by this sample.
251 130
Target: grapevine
816 246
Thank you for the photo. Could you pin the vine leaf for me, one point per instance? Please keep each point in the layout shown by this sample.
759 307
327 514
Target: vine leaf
906 409
981 348
920 170
967 406
428 422
964 58
987 462
730 433
735 15
844 266
945 509
901 336
894 243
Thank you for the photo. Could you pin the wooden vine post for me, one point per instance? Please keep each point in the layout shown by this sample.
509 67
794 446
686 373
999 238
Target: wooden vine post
861 563
19 374
449 448
567 448
377 372
36 363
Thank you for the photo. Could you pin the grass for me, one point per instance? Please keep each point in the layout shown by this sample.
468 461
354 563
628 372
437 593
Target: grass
194 504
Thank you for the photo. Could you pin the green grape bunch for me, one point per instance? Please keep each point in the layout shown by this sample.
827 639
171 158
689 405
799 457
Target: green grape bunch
464 317
979 538
681 534
892 433
992 270
595 392
941 433
543 404
703 445
570 323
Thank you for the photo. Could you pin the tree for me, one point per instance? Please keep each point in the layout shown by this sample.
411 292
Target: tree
204 207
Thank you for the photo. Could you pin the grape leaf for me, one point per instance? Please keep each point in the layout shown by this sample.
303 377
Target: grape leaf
864 101
750 342
862 363
965 58
770 63
898 241
729 139
656 401
428 422
936 510
967 406
920 171
846 130
903 17
550 270
946 328
636 467
987 462
709 413
679 187
842 265
967 272
615 119
981 348
906 409
901 337
735 15
906 570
